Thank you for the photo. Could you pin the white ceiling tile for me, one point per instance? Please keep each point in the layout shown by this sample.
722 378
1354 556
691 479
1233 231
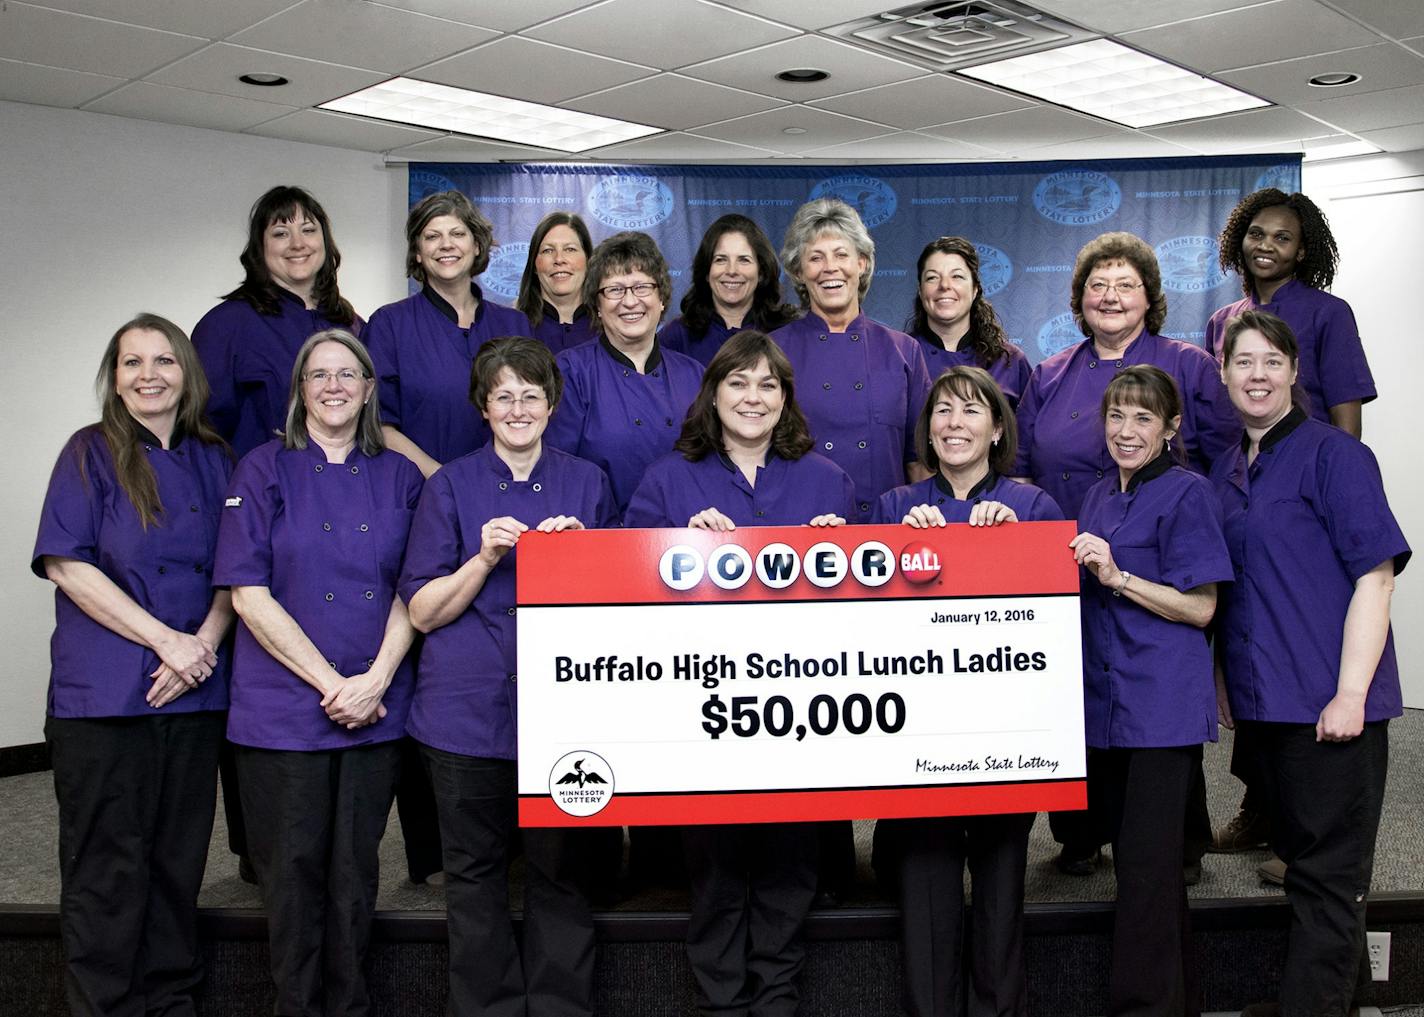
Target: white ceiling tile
933 99
677 148
850 69
51 86
1123 145
501 15
768 130
81 43
1397 19
1372 111
191 17
361 35
660 33
1260 130
531 70
1128 15
1397 139
147 101
216 69
322 127
1020 129
1280 30
457 148
814 13
672 101
904 145
1288 82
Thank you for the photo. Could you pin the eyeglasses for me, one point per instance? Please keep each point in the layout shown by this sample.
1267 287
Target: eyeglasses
346 376
617 290
1122 287
505 402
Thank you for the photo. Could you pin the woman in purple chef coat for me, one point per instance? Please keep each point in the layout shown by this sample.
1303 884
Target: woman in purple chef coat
459 580
1307 654
744 459
624 395
955 324
139 673
1152 551
966 435
736 285
1119 305
247 343
551 290
423 346
313 532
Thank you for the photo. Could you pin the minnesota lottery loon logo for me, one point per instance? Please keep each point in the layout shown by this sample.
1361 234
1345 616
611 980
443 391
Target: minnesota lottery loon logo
424 183
506 269
581 783
874 199
1057 334
1189 264
1283 176
630 202
1077 197
995 269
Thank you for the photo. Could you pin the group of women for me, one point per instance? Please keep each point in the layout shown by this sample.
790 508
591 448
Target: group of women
355 494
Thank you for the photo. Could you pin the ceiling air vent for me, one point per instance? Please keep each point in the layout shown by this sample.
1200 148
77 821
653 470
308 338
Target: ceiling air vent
956 33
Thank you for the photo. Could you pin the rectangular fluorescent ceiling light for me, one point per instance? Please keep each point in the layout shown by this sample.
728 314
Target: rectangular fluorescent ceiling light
1111 81
424 104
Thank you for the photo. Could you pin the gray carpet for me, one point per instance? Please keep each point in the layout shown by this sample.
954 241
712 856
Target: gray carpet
29 870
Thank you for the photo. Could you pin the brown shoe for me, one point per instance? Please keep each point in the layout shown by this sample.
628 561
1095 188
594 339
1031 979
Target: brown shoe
1247 831
1272 871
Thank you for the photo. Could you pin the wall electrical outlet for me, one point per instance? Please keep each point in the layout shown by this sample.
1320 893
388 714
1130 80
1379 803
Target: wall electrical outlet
1378 945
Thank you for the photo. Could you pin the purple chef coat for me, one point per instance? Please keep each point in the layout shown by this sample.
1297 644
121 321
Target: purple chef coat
787 492
1031 504
1147 681
167 569
675 335
1333 368
464 690
1304 522
862 391
248 359
558 335
618 419
1010 371
1061 443
327 540
423 360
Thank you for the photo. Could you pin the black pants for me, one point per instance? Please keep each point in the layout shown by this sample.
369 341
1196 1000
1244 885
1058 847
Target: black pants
1137 798
476 801
1325 800
752 887
415 804
942 977
314 827
136 801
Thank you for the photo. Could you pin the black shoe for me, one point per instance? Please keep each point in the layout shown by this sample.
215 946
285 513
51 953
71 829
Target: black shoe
245 871
1071 861
1191 873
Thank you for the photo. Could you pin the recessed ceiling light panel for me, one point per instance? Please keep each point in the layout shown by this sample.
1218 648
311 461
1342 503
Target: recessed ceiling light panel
803 75
264 79
1334 80
461 111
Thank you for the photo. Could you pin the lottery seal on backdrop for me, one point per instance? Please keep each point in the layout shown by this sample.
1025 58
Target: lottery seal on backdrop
424 183
1282 176
995 269
506 269
1077 197
581 783
1057 334
630 202
872 198
1189 264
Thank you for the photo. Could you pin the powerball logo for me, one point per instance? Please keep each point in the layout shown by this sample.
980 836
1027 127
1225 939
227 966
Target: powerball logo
776 566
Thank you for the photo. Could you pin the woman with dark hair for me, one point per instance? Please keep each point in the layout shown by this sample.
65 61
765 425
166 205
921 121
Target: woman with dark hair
966 435
744 459
625 395
1282 248
423 346
954 322
312 536
459 580
247 343
1307 654
1152 553
551 290
139 673
736 285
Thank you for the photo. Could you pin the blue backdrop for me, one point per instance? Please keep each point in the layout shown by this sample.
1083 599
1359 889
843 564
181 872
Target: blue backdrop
1028 221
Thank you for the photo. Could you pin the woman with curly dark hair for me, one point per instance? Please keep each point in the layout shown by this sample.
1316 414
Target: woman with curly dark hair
736 284
955 324
1282 248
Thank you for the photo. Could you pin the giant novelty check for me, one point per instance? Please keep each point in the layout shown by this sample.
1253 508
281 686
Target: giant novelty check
791 673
